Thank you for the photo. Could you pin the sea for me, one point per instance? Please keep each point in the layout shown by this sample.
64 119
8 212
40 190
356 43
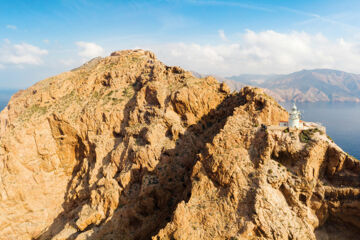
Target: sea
342 120
3 104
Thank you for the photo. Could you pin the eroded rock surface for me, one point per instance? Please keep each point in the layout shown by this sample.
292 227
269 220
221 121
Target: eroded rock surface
125 147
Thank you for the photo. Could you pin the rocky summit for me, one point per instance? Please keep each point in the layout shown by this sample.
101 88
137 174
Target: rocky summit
125 147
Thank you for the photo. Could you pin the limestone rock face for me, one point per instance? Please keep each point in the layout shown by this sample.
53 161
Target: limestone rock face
125 147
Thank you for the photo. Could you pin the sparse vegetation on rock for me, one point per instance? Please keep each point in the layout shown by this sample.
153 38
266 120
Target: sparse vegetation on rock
125 147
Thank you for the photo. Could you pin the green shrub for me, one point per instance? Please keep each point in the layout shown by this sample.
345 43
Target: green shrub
96 95
35 110
304 136
110 93
128 92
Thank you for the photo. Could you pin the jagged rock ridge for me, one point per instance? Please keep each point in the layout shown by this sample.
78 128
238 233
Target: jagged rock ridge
125 147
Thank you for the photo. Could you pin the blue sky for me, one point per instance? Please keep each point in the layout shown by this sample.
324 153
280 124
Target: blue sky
43 38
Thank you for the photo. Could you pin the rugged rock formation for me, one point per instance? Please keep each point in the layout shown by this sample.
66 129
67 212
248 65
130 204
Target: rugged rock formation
125 147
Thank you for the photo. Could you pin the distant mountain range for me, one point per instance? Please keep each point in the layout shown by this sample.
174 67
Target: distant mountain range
318 85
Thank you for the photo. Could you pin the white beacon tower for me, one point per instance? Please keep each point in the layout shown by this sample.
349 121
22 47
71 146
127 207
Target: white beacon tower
294 117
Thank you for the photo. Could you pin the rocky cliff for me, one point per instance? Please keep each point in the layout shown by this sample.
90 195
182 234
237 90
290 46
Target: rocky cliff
125 147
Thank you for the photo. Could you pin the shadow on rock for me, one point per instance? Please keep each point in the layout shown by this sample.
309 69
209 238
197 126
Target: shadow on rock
158 192
148 201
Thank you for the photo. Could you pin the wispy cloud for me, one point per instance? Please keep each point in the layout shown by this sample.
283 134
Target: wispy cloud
231 4
310 14
313 17
89 49
20 54
316 17
222 35
13 27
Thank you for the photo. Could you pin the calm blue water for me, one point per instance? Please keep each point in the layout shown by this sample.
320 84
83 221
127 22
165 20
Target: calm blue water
5 95
342 122
2 104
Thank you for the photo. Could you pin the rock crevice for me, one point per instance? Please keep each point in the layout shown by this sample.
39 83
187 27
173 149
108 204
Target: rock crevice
125 147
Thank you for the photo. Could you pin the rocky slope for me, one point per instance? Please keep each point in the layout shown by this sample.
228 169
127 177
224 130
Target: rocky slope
318 85
125 147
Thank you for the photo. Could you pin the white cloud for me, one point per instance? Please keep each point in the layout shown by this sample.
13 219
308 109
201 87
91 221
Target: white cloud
89 49
222 35
264 52
13 27
20 54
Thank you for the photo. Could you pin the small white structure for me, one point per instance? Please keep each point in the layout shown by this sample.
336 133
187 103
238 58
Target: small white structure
294 119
